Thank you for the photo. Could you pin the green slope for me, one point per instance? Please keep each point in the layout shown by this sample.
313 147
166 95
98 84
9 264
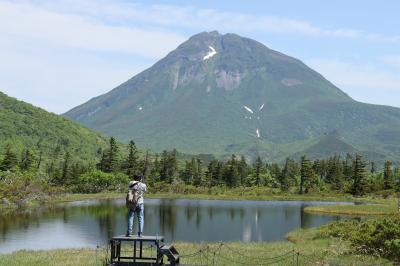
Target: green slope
25 126
197 106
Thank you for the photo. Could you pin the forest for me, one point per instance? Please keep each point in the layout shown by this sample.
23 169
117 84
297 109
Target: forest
25 177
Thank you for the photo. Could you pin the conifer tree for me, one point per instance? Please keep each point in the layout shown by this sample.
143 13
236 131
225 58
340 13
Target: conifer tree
276 174
306 175
27 160
258 165
335 175
131 163
39 161
172 165
358 187
231 175
294 172
66 168
197 177
110 157
9 161
102 163
214 173
337 180
318 168
50 170
189 172
388 175
75 171
348 167
284 176
164 166
243 170
373 168
155 170
168 166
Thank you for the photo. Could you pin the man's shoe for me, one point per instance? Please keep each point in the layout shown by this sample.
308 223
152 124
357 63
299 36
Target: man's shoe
139 234
128 234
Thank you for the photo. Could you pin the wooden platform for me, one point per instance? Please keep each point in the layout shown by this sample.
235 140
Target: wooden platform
136 257
125 263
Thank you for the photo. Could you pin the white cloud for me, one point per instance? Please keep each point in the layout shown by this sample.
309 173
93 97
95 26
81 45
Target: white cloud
199 19
57 60
364 82
26 22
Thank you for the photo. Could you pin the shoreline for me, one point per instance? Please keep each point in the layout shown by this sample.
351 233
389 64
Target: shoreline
370 205
304 244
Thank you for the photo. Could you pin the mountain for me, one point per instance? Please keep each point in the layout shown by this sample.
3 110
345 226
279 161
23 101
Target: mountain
25 126
225 94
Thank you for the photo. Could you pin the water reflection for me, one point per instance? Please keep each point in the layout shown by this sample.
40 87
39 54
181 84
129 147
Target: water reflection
91 223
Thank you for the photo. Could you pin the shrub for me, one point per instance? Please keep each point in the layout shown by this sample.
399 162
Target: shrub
21 188
98 181
380 236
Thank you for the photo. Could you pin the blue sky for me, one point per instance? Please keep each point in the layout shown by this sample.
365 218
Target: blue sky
59 54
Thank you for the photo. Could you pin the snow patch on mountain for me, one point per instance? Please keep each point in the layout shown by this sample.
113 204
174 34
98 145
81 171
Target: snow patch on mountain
210 53
248 109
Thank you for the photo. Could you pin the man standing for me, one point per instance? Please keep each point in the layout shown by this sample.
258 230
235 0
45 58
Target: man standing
134 202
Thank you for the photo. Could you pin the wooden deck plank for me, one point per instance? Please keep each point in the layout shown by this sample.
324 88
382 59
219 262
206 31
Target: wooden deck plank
136 237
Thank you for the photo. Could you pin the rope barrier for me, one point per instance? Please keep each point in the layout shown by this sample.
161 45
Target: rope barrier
289 256
280 260
211 255
273 260
257 258
190 254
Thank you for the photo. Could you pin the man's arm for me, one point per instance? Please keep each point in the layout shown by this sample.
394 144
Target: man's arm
143 187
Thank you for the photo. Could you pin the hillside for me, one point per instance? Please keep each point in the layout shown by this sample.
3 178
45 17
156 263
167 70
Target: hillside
25 126
224 93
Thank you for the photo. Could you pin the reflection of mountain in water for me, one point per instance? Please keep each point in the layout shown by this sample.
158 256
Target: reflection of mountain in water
91 223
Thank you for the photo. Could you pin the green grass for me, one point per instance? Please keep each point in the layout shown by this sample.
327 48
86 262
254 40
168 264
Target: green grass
96 196
311 249
357 210
65 257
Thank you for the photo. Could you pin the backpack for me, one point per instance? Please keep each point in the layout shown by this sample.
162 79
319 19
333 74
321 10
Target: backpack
132 197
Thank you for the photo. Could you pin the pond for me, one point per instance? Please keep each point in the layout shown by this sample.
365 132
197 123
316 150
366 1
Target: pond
93 222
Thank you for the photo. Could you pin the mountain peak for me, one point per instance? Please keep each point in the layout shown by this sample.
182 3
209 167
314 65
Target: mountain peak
206 35
193 100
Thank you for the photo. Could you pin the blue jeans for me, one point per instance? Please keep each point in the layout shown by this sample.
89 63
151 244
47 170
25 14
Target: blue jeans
139 210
